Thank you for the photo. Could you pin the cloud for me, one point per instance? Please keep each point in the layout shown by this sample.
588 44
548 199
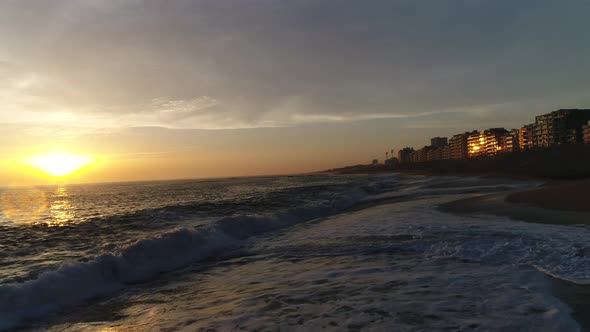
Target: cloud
247 64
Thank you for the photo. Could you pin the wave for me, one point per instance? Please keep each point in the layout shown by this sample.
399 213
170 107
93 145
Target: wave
105 274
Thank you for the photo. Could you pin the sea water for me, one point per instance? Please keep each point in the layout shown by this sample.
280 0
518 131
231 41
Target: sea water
279 253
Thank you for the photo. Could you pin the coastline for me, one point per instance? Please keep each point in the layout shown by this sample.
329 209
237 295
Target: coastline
554 202
566 162
562 203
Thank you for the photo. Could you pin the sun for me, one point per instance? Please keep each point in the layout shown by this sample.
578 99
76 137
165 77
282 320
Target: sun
58 164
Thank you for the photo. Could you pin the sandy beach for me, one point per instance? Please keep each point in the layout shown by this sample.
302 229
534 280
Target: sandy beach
568 196
562 203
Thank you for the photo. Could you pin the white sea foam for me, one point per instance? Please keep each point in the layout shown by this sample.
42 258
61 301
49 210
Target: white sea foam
107 273
435 235
406 266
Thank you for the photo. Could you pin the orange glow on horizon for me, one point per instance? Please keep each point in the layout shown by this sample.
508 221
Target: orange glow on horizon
58 164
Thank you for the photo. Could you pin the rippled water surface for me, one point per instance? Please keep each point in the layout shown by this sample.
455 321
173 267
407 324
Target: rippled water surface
288 253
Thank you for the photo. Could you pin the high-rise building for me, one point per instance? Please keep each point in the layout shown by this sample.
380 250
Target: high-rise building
492 140
405 155
510 141
458 146
526 137
438 153
446 152
422 153
560 127
414 156
475 144
438 142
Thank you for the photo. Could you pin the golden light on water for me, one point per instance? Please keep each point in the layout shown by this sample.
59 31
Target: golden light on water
37 206
58 164
23 205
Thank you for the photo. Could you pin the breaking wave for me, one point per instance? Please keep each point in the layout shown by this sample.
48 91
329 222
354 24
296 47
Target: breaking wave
77 282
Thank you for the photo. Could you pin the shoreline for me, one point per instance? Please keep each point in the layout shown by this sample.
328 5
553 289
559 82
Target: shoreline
566 162
553 203
529 205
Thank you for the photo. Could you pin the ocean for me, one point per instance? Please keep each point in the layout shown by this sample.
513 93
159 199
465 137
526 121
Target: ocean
313 252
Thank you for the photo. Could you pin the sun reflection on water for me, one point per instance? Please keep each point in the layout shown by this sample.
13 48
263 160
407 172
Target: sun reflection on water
23 205
31 206
61 212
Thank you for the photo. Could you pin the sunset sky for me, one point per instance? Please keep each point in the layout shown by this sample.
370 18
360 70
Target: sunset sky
186 89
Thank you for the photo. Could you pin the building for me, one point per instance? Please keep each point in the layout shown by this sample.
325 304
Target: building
475 144
492 140
438 142
438 153
446 152
434 154
458 146
510 141
422 153
405 155
563 126
586 133
526 137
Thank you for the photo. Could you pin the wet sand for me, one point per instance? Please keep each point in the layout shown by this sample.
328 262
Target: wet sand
568 196
499 204
558 203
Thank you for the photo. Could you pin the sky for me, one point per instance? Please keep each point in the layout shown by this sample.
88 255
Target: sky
213 88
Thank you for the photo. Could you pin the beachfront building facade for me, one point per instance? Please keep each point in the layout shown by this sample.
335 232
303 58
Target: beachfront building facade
475 144
438 153
492 140
510 141
458 146
422 154
439 149
405 155
446 152
526 137
563 126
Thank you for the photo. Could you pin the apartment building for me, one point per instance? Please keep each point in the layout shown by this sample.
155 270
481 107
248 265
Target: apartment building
458 146
475 144
526 137
564 126
560 127
422 154
510 141
492 140
405 155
